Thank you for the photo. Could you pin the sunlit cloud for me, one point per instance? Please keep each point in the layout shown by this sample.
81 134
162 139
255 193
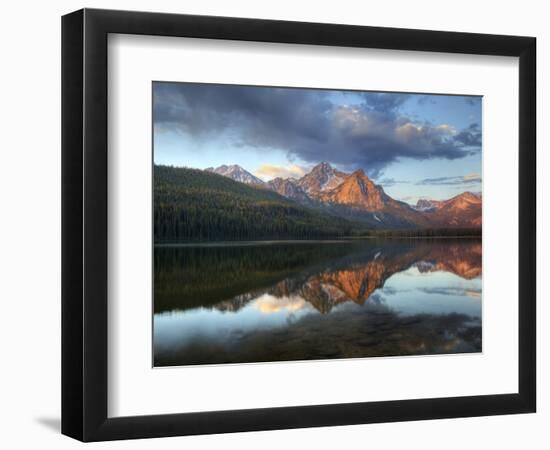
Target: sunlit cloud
472 177
468 179
270 171
268 304
473 294
454 291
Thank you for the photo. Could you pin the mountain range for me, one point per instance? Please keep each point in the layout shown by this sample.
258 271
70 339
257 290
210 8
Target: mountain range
355 197
322 275
357 282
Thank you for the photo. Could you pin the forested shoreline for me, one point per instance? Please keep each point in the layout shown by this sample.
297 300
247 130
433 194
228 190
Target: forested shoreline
191 205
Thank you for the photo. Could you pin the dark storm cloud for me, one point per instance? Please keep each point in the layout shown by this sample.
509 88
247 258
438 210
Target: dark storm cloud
283 118
470 137
378 101
451 181
306 123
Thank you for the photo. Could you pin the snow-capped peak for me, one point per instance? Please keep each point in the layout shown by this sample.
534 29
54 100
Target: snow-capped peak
237 173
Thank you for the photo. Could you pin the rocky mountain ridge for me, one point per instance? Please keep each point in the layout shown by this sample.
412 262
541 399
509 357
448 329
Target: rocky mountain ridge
356 197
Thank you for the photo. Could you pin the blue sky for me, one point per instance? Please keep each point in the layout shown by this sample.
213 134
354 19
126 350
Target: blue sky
414 145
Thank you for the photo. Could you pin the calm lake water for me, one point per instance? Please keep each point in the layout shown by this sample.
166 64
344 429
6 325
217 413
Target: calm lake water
251 302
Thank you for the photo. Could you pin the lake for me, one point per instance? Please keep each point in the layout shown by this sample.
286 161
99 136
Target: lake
302 300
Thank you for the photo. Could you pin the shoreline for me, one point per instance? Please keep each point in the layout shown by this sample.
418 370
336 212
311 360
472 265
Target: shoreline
267 242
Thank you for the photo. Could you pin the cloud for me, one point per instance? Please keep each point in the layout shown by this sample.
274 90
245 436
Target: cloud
268 304
376 299
470 137
384 102
269 171
391 182
472 178
473 293
409 198
308 125
472 100
454 291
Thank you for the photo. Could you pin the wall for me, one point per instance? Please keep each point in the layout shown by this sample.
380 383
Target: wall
30 198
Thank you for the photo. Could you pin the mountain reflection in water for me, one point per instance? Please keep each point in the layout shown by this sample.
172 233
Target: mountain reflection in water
315 300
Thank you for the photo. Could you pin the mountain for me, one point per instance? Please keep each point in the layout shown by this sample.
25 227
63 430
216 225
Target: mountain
290 189
357 190
426 205
463 210
196 205
237 173
323 177
355 278
358 197
357 282
322 275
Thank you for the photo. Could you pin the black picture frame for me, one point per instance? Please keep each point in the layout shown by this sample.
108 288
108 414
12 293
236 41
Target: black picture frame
84 224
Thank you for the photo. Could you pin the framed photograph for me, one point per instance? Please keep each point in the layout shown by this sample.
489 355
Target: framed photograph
273 224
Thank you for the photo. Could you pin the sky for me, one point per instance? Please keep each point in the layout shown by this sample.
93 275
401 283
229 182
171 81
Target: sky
414 145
